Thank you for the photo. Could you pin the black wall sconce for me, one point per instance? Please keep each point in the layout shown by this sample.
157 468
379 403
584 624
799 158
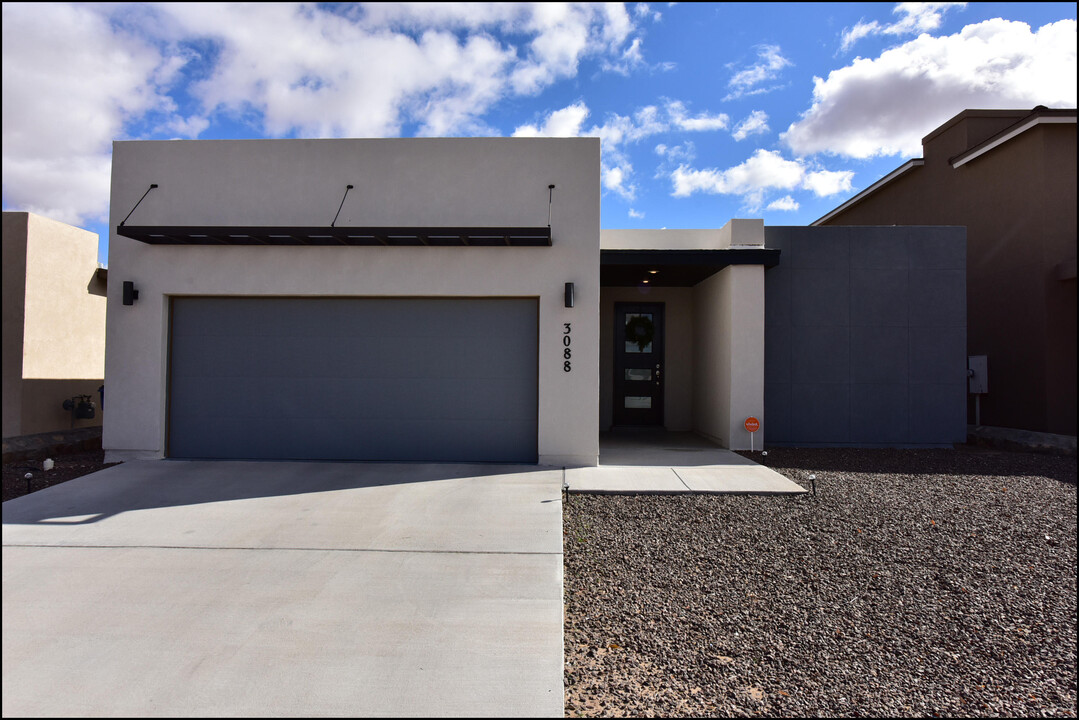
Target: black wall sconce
130 293
569 295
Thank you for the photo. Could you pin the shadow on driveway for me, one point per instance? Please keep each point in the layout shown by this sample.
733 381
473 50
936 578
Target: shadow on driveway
141 485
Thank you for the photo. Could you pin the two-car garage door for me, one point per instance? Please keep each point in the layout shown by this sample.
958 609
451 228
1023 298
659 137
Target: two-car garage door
413 379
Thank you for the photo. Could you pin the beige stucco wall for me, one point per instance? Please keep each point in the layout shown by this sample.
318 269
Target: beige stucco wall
747 355
678 352
712 357
54 323
737 232
402 182
728 367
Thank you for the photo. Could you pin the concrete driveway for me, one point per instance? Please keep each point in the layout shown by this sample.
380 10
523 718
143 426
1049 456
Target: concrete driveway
288 589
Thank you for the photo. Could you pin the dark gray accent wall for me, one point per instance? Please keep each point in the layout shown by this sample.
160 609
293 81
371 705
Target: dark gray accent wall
865 336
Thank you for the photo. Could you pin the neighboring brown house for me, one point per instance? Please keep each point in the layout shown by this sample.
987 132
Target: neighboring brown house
1009 176
54 324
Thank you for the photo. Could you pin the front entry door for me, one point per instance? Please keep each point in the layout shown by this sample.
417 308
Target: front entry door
638 364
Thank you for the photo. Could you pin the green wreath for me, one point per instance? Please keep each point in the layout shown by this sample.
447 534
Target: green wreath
641 330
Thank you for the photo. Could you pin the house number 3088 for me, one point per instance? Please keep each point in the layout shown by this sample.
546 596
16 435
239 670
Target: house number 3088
566 353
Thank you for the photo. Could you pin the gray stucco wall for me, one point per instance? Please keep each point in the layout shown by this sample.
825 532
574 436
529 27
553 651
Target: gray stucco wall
865 336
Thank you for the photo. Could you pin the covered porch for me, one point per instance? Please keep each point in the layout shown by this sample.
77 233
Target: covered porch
682 331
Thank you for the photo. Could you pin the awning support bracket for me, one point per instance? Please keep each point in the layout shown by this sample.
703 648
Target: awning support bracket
347 188
152 186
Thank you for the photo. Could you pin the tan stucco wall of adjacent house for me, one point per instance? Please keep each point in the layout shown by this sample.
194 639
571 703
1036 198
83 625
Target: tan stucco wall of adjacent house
428 182
54 323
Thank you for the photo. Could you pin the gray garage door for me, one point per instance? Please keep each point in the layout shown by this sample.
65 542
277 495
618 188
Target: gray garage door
451 380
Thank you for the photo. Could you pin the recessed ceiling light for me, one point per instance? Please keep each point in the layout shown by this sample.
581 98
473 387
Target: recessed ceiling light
653 272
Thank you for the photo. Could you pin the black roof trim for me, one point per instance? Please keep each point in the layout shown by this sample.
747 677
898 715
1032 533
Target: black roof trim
345 236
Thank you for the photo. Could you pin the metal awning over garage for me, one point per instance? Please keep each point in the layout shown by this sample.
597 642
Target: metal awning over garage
675 268
387 236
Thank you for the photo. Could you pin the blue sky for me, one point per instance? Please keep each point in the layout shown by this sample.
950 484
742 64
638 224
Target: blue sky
706 111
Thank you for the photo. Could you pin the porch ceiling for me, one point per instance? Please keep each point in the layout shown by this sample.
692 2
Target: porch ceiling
675 268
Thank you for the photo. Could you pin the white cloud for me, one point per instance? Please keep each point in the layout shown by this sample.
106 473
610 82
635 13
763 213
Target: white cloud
770 63
755 124
617 131
785 203
884 106
681 153
616 179
630 60
914 17
636 215
764 171
859 31
560 123
672 157
70 81
333 75
679 117
828 182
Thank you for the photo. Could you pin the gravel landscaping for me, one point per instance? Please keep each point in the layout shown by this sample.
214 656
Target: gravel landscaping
66 466
915 583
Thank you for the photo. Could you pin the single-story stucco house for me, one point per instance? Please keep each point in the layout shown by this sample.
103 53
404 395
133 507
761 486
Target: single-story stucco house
456 300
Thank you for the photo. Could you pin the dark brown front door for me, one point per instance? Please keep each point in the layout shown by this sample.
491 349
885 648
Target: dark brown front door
638 363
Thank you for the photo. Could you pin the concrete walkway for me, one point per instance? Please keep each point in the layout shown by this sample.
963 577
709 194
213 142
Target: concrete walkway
656 461
171 588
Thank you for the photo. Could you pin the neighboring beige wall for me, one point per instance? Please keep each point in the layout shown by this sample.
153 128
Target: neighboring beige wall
61 348
677 351
64 326
448 182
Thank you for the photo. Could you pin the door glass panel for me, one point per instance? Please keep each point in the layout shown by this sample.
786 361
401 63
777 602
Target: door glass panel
639 332
638 374
638 402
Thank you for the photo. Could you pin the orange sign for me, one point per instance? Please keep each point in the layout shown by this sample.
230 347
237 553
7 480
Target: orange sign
753 424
